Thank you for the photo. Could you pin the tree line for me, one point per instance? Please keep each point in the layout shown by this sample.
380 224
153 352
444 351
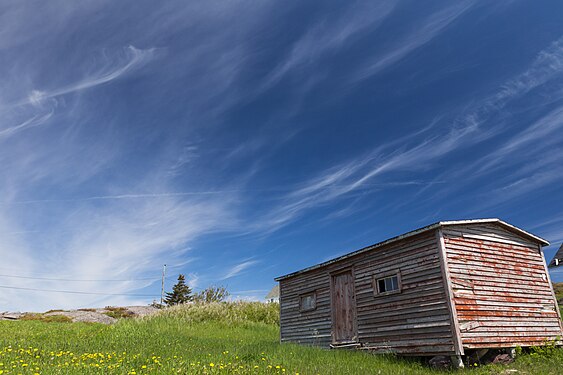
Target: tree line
182 293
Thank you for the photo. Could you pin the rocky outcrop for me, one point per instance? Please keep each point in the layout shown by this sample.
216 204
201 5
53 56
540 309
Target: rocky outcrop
106 315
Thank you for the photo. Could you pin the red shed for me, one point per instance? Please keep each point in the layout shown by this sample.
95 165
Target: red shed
443 289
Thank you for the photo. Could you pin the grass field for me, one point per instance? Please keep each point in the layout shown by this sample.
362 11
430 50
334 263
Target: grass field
237 338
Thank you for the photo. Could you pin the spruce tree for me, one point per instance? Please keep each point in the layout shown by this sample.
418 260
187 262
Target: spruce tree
181 293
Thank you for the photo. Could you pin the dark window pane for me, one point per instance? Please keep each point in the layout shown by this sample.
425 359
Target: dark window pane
381 284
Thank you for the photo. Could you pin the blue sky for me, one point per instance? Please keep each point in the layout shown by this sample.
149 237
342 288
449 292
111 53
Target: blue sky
238 141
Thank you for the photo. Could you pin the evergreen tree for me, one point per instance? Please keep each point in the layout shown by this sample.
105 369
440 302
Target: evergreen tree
181 293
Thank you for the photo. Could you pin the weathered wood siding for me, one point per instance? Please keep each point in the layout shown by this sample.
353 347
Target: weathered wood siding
502 293
414 321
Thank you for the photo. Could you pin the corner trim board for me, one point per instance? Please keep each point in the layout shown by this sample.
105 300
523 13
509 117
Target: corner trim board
456 331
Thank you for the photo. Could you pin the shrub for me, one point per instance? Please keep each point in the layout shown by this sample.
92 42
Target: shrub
118 312
211 294
546 350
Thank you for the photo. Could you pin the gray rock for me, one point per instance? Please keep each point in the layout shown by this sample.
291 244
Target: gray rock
85 316
11 315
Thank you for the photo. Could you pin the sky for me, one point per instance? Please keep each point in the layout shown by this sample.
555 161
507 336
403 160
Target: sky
237 141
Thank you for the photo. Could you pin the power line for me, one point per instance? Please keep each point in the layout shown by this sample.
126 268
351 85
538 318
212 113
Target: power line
55 279
77 292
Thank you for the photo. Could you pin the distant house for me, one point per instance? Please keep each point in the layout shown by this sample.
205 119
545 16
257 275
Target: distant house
445 289
274 295
558 258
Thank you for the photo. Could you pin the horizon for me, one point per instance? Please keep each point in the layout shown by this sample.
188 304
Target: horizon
237 142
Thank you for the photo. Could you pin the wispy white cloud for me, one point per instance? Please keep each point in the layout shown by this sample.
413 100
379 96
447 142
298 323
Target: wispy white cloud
193 280
420 35
547 65
329 36
133 57
36 120
119 241
515 150
524 143
40 105
467 129
528 184
121 197
339 181
113 235
238 269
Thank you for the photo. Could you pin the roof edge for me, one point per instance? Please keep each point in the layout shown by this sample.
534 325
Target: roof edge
427 228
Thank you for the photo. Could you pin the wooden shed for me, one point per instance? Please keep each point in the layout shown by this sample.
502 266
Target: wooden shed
443 289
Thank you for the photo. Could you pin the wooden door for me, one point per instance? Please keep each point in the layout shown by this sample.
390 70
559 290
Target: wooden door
343 308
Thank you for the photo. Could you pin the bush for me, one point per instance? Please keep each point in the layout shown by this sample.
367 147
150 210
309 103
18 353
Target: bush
118 312
224 312
212 294
546 350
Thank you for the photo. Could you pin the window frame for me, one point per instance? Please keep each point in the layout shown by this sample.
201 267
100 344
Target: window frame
381 276
302 296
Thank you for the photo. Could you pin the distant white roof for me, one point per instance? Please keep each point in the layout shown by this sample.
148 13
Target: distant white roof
274 293
439 224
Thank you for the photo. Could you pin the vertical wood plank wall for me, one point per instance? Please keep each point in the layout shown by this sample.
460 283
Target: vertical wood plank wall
502 292
414 321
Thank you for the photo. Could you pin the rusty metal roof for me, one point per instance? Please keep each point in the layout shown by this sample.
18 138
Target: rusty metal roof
427 228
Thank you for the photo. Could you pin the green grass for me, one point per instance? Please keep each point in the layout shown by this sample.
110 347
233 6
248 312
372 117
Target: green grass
217 338
558 288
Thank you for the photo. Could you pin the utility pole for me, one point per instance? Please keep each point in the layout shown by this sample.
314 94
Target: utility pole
162 288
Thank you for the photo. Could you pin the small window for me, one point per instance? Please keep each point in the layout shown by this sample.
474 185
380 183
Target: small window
387 284
308 302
